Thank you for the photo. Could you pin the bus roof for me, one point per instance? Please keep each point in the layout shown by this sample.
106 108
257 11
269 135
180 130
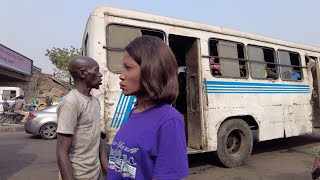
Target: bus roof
135 15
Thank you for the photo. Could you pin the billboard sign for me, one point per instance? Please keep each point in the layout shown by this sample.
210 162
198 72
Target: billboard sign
15 61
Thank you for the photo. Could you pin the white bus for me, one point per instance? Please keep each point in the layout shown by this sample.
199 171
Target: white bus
9 93
231 82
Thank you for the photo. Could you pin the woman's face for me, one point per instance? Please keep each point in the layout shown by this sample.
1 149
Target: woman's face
130 76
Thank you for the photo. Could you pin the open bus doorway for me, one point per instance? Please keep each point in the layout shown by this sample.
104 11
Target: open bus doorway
186 51
315 92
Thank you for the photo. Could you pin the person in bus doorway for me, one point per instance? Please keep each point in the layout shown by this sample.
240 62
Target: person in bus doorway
19 106
152 143
80 150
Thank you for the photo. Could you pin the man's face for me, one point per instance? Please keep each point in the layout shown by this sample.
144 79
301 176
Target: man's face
93 77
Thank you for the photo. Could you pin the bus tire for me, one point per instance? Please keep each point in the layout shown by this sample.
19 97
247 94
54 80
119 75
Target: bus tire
235 143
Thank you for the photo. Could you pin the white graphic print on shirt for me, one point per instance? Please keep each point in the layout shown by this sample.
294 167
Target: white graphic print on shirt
120 162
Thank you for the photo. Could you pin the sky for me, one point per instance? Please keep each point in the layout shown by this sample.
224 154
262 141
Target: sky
31 27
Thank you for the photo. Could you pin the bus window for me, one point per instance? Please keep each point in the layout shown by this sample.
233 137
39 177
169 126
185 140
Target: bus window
227 59
307 58
262 62
118 37
290 65
8 94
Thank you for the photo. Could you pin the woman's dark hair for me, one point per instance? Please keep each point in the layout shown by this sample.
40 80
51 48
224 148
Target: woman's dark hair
159 70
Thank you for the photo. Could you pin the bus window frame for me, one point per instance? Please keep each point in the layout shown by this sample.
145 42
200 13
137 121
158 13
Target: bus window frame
85 50
10 98
108 48
238 59
276 63
300 65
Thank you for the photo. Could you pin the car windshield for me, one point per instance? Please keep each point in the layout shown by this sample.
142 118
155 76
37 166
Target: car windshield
51 108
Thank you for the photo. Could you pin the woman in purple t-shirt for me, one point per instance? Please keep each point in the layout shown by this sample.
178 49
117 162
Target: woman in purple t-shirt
152 143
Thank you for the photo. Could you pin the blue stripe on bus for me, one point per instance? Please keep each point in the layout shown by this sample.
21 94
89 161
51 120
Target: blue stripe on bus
255 88
120 113
252 84
128 109
221 87
115 115
125 104
248 92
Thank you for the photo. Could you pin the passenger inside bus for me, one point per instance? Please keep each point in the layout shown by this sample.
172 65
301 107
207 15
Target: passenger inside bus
243 71
295 75
270 73
215 67
181 99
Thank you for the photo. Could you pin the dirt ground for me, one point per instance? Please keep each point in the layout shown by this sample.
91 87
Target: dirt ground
285 159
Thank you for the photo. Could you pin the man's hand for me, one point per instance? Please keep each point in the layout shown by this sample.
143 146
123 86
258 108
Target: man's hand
316 168
64 142
103 156
316 163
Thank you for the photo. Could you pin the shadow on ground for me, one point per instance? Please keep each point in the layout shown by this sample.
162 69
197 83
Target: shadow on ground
12 161
203 161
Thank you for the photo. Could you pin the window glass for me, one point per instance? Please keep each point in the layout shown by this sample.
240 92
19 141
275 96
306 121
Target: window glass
262 62
227 59
8 94
118 37
115 60
290 65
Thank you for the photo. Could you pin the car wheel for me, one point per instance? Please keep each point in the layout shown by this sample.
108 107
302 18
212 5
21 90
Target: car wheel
49 131
234 142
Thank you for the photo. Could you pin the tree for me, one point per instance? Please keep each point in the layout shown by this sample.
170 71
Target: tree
60 57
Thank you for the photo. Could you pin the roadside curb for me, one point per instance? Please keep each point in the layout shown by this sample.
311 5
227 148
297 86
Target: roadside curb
11 128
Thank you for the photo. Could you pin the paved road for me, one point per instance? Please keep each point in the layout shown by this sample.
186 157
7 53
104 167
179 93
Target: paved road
27 157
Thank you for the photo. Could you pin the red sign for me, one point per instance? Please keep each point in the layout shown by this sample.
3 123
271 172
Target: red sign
15 61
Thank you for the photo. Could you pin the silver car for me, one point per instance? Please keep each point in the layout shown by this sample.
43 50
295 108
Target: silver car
43 122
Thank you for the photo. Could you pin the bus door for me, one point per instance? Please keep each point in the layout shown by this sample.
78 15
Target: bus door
186 50
315 93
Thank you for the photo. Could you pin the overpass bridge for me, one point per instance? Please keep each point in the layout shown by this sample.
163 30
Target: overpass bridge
14 67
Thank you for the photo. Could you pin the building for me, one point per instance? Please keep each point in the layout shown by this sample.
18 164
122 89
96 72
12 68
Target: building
14 67
17 70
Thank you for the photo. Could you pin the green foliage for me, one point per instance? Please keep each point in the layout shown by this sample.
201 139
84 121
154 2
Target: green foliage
60 57
315 151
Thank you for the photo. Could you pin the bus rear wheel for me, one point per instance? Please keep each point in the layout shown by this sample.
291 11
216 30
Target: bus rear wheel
235 143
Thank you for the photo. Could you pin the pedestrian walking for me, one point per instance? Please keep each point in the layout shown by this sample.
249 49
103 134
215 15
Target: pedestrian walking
49 101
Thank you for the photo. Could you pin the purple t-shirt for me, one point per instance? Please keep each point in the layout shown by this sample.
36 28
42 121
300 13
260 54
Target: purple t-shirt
150 145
